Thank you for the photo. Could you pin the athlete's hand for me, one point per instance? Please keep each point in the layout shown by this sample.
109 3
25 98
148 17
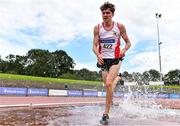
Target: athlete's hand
123 51
100 59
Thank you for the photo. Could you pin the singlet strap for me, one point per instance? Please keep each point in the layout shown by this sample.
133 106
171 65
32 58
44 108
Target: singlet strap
118 25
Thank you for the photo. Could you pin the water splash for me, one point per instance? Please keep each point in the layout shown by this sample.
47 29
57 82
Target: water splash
135 108
136 104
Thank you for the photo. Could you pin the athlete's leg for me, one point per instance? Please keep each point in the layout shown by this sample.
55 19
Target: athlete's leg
116 79
112 74
115 82
105 117
104 75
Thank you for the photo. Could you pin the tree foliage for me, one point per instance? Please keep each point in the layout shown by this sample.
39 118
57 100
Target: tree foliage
39 62
172 75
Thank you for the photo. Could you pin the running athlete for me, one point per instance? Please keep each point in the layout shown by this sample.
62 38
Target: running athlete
106 46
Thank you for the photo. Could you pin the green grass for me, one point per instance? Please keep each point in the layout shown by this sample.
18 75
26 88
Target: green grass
67 81
45 79
169 86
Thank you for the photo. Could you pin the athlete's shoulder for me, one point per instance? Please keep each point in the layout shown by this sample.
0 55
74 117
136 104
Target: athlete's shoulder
97 27
120 25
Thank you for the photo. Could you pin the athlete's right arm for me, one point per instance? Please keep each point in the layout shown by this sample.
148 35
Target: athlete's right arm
96 45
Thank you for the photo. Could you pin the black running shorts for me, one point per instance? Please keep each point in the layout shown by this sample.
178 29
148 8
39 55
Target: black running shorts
108 63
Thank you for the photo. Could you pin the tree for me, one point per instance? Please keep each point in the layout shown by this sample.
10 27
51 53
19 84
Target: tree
146 77
3 66
154 75
127 77
137 77
19 64
173 75
61 62
12 64
37 62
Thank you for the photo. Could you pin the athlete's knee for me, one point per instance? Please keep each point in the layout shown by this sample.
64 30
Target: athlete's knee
108 83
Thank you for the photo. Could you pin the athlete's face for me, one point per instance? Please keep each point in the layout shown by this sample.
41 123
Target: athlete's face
107 15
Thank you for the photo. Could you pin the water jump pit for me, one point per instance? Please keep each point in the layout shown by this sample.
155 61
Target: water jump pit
88 111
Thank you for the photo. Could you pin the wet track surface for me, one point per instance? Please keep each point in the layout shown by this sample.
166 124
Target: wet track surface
88 115
77 111
32 116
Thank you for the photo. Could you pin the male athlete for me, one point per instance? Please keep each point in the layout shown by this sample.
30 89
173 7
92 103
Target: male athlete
106 46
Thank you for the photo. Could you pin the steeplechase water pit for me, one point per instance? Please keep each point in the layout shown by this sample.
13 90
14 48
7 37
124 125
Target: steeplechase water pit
136 111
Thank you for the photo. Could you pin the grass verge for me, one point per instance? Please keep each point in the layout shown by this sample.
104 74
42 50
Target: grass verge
46 79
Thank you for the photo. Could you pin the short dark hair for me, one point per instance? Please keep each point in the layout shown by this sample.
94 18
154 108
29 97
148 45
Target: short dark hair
108 5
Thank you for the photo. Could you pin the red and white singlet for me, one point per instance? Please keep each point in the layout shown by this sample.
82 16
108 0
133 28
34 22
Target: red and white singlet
109 41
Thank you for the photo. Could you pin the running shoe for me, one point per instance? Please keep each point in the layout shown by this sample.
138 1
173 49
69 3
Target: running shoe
105 119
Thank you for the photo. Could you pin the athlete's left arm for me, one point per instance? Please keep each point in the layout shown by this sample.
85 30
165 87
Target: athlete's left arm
125 38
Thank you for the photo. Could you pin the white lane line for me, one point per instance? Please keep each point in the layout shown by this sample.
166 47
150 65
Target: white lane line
48 104
14 105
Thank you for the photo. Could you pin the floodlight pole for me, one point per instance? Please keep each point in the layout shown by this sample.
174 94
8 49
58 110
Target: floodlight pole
159 43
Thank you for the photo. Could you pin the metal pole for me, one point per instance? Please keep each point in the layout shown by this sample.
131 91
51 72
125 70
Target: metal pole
159 43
